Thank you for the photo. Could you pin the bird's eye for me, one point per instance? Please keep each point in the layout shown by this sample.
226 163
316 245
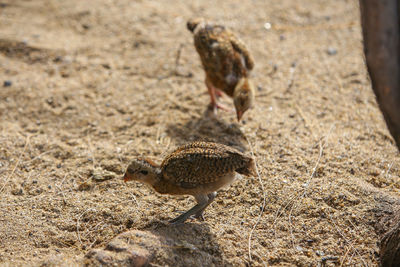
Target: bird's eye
144 172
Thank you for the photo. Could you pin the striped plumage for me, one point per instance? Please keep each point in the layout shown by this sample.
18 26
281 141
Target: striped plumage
198 169
226 61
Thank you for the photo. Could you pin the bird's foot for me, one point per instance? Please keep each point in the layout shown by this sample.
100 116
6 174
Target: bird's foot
216 106
199 216
178 220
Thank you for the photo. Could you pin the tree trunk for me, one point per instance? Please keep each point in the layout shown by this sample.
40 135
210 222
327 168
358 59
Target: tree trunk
380 24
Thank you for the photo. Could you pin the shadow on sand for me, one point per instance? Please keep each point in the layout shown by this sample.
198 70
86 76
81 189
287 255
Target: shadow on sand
188 244
208 128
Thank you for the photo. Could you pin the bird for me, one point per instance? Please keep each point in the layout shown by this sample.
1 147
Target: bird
199 169
227 63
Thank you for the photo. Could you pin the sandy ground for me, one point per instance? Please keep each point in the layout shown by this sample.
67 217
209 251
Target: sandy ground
95 83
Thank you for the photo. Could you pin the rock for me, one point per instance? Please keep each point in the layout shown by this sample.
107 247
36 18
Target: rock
127 249
99 257
390 243
164 246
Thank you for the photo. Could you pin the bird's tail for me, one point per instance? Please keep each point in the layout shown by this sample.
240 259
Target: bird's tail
249 169
193 23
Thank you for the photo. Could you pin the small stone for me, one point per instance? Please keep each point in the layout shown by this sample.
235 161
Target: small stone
267 26
85 26
58 59
282 37
85 186
331 51
100 175
7 83
58 165
17 192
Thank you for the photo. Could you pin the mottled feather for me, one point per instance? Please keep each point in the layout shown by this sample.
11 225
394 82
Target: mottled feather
202 163
224 56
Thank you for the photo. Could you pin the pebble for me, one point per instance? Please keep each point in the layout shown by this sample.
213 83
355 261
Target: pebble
331 51
319 253
7 83
267 26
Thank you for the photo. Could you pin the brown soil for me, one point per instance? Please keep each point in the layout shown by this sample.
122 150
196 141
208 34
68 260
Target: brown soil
95 83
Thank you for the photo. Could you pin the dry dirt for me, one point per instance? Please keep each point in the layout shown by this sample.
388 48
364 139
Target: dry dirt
95 84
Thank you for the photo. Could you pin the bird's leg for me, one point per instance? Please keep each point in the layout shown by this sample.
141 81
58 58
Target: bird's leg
199 214
218 93
213 97
202 203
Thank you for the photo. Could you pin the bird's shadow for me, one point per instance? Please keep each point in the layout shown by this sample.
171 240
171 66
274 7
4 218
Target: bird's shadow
189 244
208 127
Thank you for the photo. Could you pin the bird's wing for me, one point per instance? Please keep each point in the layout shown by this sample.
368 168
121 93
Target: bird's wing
241 48
200 163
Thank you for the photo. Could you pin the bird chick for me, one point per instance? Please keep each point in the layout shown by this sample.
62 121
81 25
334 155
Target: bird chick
227 63
198 169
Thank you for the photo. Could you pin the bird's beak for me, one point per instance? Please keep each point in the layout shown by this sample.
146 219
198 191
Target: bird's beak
127 177
239 114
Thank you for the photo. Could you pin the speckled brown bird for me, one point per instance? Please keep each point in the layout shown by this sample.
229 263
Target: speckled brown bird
198 169
227 63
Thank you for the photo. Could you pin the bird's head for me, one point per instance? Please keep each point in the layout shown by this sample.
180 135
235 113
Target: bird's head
243 96
142 170
193 23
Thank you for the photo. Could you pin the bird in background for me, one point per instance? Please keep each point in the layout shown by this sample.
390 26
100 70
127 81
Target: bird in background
198 169
227 63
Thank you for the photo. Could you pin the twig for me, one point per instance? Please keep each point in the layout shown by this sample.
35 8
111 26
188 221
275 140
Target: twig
306 123
91 151
347 241
387 172
77 224
16 165
321 150
344 257
178 57
38 156
134 199
61 190
278 213
263 202
292 69
328 258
